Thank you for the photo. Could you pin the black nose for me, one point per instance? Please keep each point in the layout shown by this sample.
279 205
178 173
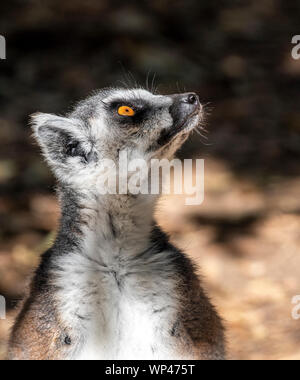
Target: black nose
191 99
185 103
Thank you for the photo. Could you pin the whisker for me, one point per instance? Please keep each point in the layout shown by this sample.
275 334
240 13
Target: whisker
153 89
147 80
205 143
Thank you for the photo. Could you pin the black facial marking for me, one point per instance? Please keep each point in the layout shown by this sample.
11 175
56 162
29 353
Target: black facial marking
183 109
140 107
68 341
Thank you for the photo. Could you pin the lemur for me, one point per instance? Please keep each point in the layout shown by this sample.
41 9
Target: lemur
113 286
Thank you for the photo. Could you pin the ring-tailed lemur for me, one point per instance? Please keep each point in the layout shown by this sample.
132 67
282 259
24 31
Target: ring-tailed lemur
112 286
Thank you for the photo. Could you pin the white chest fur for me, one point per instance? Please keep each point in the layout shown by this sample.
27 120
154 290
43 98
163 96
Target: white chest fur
118 312
131 333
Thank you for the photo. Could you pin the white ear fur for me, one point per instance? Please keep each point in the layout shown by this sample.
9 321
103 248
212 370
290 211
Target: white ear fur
52 133
39 121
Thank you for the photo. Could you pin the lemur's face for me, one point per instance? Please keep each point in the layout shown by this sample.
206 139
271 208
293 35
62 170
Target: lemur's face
145 125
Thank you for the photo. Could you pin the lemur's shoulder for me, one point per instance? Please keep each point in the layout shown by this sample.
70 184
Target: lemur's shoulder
197 316
38 333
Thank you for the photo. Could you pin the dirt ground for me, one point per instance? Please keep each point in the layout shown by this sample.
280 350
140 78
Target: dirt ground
245 239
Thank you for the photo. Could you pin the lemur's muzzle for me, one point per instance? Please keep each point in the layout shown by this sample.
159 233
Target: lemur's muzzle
184 107
185 110
190 99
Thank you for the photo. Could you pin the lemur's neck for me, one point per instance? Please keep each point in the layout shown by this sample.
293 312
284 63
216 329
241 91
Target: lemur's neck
109 226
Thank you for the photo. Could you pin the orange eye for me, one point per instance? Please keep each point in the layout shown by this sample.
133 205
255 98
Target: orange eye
126 111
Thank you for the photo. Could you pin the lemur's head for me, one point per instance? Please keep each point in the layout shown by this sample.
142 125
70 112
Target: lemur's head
147 126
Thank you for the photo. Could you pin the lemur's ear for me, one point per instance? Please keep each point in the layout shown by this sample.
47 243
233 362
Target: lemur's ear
54 134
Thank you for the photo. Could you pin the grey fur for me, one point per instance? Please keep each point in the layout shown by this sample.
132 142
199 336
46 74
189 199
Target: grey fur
108 252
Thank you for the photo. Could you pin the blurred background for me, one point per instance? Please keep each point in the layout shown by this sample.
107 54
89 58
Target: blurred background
237 55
